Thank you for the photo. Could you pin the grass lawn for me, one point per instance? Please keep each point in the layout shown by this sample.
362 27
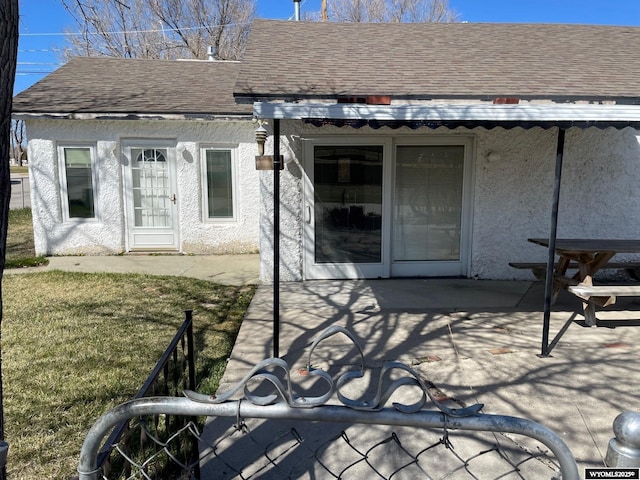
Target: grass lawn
17 169
20 249
76 344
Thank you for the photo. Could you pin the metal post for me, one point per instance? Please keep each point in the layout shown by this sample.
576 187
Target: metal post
624 448
191 362
276 238
548 286
191 351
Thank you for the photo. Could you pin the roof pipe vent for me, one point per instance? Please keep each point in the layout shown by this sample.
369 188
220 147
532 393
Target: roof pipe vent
296 10
211 53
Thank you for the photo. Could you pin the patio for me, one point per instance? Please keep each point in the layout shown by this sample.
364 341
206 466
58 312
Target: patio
476 341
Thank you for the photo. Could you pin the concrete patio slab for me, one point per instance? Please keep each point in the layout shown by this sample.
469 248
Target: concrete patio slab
476 341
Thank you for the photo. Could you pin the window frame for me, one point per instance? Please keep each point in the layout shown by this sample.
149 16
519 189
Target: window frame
64 184
233 150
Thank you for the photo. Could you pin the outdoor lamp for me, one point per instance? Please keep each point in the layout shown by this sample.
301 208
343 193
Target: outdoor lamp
261 138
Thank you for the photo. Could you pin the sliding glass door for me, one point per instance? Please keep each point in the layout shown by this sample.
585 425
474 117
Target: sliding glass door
394 208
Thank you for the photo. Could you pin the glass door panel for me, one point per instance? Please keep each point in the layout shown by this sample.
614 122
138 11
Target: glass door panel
347 211
428 205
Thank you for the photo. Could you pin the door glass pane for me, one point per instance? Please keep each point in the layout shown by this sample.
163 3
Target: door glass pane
219 184
77 163
348 204
150 175
428 203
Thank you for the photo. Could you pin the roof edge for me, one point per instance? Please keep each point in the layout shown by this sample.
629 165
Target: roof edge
453 112
128 116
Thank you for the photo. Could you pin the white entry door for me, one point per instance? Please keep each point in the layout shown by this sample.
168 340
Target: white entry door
151 195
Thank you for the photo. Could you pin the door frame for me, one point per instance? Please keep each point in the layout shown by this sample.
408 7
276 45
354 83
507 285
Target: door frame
164 239
385 269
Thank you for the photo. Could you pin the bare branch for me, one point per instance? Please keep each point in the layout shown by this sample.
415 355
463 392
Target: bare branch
160 28
385 11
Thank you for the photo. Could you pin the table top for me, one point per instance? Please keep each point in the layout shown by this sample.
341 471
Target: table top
590 245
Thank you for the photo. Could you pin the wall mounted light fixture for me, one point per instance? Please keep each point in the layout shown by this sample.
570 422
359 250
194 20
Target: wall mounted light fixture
261 137
263 162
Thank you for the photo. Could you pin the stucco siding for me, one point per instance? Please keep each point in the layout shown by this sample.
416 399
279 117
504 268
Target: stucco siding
512 187
107 233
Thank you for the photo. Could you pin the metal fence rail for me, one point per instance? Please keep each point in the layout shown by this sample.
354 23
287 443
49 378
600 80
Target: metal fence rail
271 432
173 373
240 410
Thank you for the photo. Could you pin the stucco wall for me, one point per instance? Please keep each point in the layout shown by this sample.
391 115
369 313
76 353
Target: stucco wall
106 235
512 193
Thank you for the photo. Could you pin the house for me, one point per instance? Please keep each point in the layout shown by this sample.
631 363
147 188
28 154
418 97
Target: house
409 150
422 150
140 155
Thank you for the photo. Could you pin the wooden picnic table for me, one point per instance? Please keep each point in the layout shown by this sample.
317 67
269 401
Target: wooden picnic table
590 255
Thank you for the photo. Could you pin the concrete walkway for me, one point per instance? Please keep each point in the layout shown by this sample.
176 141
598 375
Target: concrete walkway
226 269
477 341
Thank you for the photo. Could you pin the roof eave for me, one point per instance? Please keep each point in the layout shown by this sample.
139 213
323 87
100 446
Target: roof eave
21 115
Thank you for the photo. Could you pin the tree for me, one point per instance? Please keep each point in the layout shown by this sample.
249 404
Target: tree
8 56
166 29
386 11
18 137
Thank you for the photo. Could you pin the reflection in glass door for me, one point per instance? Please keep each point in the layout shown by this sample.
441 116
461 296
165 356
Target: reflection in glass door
347 220
428 210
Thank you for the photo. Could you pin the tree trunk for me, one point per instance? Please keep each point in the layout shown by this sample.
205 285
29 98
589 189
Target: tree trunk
8 56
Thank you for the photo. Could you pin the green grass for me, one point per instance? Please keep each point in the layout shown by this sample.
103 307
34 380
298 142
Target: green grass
17 169
75 345
20 247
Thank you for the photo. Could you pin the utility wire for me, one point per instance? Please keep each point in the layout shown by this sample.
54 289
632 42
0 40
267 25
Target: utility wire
127 32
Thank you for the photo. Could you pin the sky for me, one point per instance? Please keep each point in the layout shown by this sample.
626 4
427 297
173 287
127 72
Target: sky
43 22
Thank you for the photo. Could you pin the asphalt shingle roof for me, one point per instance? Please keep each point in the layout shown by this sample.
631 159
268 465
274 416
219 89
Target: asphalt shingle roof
135 86
434 60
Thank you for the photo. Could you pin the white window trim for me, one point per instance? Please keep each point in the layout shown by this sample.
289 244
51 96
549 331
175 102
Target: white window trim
234 182
62 172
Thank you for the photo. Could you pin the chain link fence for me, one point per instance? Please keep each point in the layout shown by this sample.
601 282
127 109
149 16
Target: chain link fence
269 432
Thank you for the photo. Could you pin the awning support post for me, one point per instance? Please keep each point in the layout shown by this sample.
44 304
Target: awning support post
548 286
276 238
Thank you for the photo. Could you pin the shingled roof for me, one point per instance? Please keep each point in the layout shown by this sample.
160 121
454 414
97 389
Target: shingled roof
101 85
296 60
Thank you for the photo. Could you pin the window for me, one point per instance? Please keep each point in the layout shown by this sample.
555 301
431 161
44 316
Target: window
78 187
219 174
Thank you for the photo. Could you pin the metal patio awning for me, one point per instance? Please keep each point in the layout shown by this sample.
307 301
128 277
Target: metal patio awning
453 115
485 115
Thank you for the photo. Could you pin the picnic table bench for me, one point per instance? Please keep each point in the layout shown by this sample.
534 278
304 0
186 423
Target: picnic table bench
539 269
588 256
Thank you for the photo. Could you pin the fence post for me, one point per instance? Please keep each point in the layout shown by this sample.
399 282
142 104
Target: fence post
191 354
624 448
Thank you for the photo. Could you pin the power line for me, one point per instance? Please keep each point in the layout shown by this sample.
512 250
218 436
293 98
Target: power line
41 50
22 74
127 32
